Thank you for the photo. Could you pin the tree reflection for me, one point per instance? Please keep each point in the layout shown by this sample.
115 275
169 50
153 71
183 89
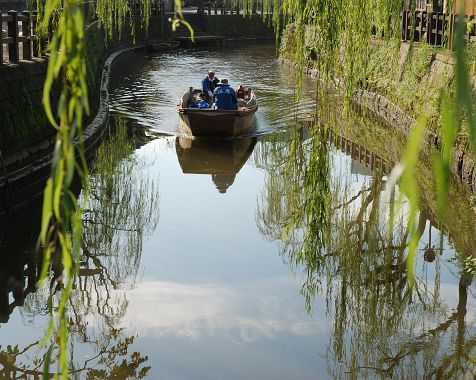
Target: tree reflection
123 209
294 208
349 239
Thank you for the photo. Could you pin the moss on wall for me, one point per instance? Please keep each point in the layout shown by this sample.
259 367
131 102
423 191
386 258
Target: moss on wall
22 118
21 112
413 80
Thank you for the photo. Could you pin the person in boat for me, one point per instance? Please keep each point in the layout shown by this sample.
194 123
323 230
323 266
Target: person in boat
201 102
209 83
224 96
240 92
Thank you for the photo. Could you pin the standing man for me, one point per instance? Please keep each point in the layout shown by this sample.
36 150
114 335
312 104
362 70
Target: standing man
225 96
209 84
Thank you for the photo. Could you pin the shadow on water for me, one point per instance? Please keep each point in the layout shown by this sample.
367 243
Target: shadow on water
122 210
345 236
220 158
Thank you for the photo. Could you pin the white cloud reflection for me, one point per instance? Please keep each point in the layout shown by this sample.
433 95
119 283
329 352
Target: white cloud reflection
160 308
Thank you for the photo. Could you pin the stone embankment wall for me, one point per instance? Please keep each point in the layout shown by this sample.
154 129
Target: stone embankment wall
401 86
25 133
22 120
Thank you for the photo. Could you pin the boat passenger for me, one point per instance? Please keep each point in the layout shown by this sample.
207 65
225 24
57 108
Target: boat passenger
209 83
225 96
240 92
201 103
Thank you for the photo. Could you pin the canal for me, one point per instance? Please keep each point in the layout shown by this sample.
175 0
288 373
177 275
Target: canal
271 256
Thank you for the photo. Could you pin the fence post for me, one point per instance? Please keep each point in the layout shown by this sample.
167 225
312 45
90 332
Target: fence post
405 25
429 16
451 29
26 28
420 34
13 55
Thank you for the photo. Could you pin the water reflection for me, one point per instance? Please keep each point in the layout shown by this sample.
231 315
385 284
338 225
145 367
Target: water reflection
220 158
122 210
337 231
19 269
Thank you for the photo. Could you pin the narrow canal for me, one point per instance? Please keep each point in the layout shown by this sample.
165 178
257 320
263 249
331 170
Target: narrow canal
220 260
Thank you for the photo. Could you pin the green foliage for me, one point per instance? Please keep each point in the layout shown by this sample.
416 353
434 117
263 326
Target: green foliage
111 15
343 30
61 227
470 265
405 174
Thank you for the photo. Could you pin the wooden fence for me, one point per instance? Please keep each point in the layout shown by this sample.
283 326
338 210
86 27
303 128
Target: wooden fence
20 32
435 28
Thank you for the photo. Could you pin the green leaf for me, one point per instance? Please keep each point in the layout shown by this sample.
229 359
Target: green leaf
47 209
58 190
46 364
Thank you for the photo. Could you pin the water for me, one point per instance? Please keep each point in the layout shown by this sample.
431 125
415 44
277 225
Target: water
198 262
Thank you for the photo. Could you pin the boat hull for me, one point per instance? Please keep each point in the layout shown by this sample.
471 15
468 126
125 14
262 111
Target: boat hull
219 123
209 122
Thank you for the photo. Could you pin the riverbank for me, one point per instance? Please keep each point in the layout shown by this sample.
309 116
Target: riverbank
400 85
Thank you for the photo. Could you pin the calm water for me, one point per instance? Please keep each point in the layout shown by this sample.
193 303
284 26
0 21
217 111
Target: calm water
217 260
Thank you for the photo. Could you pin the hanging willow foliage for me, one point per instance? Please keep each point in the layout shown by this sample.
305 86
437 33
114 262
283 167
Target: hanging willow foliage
61 229
111 15
61 219
343 30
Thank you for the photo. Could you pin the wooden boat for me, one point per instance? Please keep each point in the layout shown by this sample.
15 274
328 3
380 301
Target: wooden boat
220 158
154 47
216 123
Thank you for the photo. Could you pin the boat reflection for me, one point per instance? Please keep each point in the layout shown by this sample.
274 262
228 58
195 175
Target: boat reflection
222 158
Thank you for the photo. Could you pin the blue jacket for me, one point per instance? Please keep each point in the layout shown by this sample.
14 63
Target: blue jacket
201 104
225 97
209 85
